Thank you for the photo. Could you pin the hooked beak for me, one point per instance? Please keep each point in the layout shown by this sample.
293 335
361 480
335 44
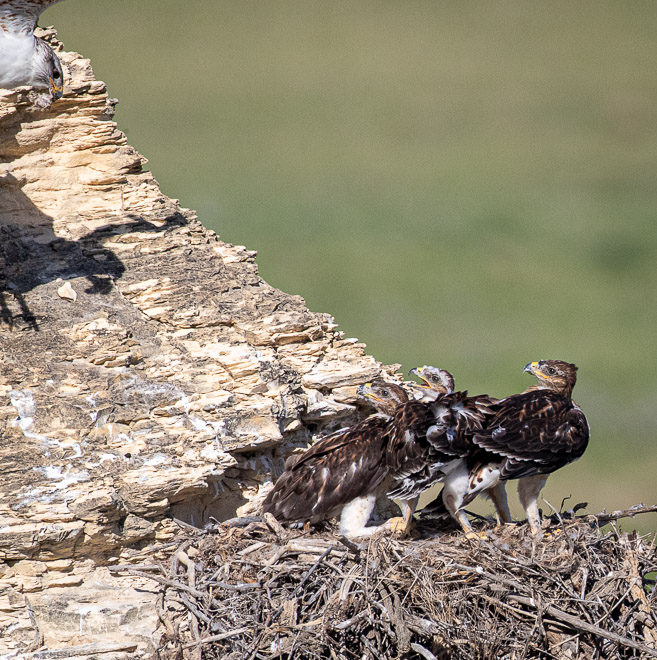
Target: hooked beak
417 371
365 390
532 368
57 90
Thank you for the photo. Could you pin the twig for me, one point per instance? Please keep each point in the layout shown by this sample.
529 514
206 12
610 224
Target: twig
516 610
424 652
576 622
129 567
164 618
310 571
83 649
186 526
174 584
348 543
194 609
237 522
617 515
243 586
274 525
347 623
217 638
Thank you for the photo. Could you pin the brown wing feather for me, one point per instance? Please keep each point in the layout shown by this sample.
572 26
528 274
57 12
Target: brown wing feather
538 432
408 444
335 470
472 412
426 438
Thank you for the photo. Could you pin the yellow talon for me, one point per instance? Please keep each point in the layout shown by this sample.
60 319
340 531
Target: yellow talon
396 525
476 536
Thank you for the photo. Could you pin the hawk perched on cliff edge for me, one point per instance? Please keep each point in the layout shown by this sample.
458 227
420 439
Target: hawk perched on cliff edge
24 58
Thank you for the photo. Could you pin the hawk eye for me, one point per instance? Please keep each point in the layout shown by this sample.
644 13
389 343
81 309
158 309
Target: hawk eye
552 371
434 378
55 75
385 393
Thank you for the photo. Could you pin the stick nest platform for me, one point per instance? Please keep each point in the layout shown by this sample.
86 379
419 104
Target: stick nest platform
253 590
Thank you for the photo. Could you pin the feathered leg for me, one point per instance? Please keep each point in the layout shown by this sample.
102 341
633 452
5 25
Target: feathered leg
355 515
497 494
529 488
455 493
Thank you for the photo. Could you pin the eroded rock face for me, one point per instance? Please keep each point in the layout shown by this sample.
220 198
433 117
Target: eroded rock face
146 372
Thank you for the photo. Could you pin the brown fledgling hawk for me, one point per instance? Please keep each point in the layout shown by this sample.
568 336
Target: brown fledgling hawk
342 473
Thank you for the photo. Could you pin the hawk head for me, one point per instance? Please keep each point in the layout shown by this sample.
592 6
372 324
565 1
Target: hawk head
554 375
435 379
25 58
385 397
47 70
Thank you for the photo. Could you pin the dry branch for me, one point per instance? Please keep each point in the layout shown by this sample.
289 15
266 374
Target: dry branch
627 513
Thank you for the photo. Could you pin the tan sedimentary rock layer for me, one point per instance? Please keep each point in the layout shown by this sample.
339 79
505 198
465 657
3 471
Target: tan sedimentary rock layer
146 371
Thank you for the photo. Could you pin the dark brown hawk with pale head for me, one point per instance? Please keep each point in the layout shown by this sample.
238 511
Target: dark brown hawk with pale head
341 473
430 439
530 436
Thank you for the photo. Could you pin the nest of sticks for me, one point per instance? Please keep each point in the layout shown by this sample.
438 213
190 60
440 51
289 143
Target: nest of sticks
250 589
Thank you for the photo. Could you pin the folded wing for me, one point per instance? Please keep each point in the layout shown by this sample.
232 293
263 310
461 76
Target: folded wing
537 432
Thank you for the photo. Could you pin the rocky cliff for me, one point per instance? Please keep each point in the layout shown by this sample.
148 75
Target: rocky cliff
146 373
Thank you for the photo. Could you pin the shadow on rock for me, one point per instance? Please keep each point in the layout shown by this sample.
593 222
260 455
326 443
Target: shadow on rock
32 255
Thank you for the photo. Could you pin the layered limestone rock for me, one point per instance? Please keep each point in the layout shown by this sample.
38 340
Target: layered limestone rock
146 373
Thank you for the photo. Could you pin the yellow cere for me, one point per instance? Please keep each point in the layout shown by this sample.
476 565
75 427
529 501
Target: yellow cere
536 372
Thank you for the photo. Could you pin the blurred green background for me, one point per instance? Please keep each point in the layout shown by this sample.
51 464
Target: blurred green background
469 184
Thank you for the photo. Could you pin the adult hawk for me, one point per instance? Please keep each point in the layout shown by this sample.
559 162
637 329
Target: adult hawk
531 435
24 58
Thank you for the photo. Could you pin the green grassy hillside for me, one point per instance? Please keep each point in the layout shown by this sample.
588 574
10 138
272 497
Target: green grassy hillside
466 184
